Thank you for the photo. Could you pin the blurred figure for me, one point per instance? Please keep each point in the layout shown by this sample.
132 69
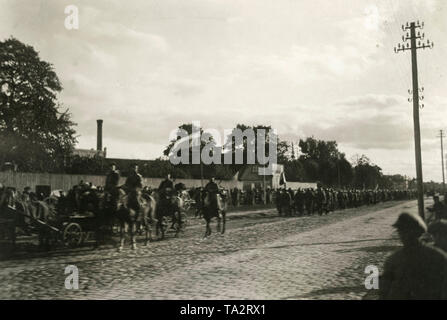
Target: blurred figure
438 208
416 271
438 230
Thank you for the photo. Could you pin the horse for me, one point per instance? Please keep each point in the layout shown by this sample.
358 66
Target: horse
171 206
219 211
129 217
30 214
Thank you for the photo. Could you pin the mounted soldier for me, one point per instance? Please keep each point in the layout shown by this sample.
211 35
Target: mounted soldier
212 189
165 191
111 186
215 204
136 209
133 186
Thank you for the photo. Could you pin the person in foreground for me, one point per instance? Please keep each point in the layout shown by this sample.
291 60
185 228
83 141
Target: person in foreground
417 271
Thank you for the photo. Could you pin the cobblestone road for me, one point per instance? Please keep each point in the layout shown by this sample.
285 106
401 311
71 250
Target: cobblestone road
261 256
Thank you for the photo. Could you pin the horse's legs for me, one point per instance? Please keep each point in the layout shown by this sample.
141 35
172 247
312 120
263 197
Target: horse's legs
133 231
224 218
208 228
177 222
147 229
122 231
13 236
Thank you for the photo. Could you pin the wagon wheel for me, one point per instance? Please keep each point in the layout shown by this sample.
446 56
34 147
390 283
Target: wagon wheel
72 235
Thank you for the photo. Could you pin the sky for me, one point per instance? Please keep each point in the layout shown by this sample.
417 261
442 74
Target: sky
306 67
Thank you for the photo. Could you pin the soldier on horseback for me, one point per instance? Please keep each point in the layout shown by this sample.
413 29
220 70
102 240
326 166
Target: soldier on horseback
111 187
133 186
214 202
166 189
212 189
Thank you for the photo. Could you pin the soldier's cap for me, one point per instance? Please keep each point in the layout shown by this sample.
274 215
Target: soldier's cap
410 222
438 227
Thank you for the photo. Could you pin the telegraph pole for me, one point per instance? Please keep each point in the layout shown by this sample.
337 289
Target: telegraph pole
441 135
413 46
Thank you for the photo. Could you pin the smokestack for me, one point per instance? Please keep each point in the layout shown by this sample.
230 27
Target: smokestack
99 135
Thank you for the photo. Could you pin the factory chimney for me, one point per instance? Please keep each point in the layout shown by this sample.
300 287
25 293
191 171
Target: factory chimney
99 135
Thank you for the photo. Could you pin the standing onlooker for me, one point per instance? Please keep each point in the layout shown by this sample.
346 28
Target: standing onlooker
416 271
438 230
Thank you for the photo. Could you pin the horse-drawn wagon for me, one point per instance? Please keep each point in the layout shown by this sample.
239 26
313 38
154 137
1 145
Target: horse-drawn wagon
42 219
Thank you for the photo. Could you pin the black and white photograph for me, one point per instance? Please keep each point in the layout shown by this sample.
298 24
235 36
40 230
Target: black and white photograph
221 151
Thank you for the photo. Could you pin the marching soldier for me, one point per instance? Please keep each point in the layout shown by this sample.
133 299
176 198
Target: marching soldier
416 271
320 199
2 195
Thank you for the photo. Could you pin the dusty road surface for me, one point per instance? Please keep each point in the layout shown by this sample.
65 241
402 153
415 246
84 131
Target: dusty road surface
261 256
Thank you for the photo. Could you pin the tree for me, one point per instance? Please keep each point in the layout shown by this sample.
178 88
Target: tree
323 161
189 128
366 174
34 132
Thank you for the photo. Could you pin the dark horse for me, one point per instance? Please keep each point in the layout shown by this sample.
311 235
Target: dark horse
169 207
219 211
129 218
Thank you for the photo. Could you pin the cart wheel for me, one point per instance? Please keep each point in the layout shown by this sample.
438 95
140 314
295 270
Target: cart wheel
72 236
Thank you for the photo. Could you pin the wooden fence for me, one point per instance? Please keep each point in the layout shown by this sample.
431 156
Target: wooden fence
20 180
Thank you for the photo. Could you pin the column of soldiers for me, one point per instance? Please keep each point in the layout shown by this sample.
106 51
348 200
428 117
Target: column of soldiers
324 200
